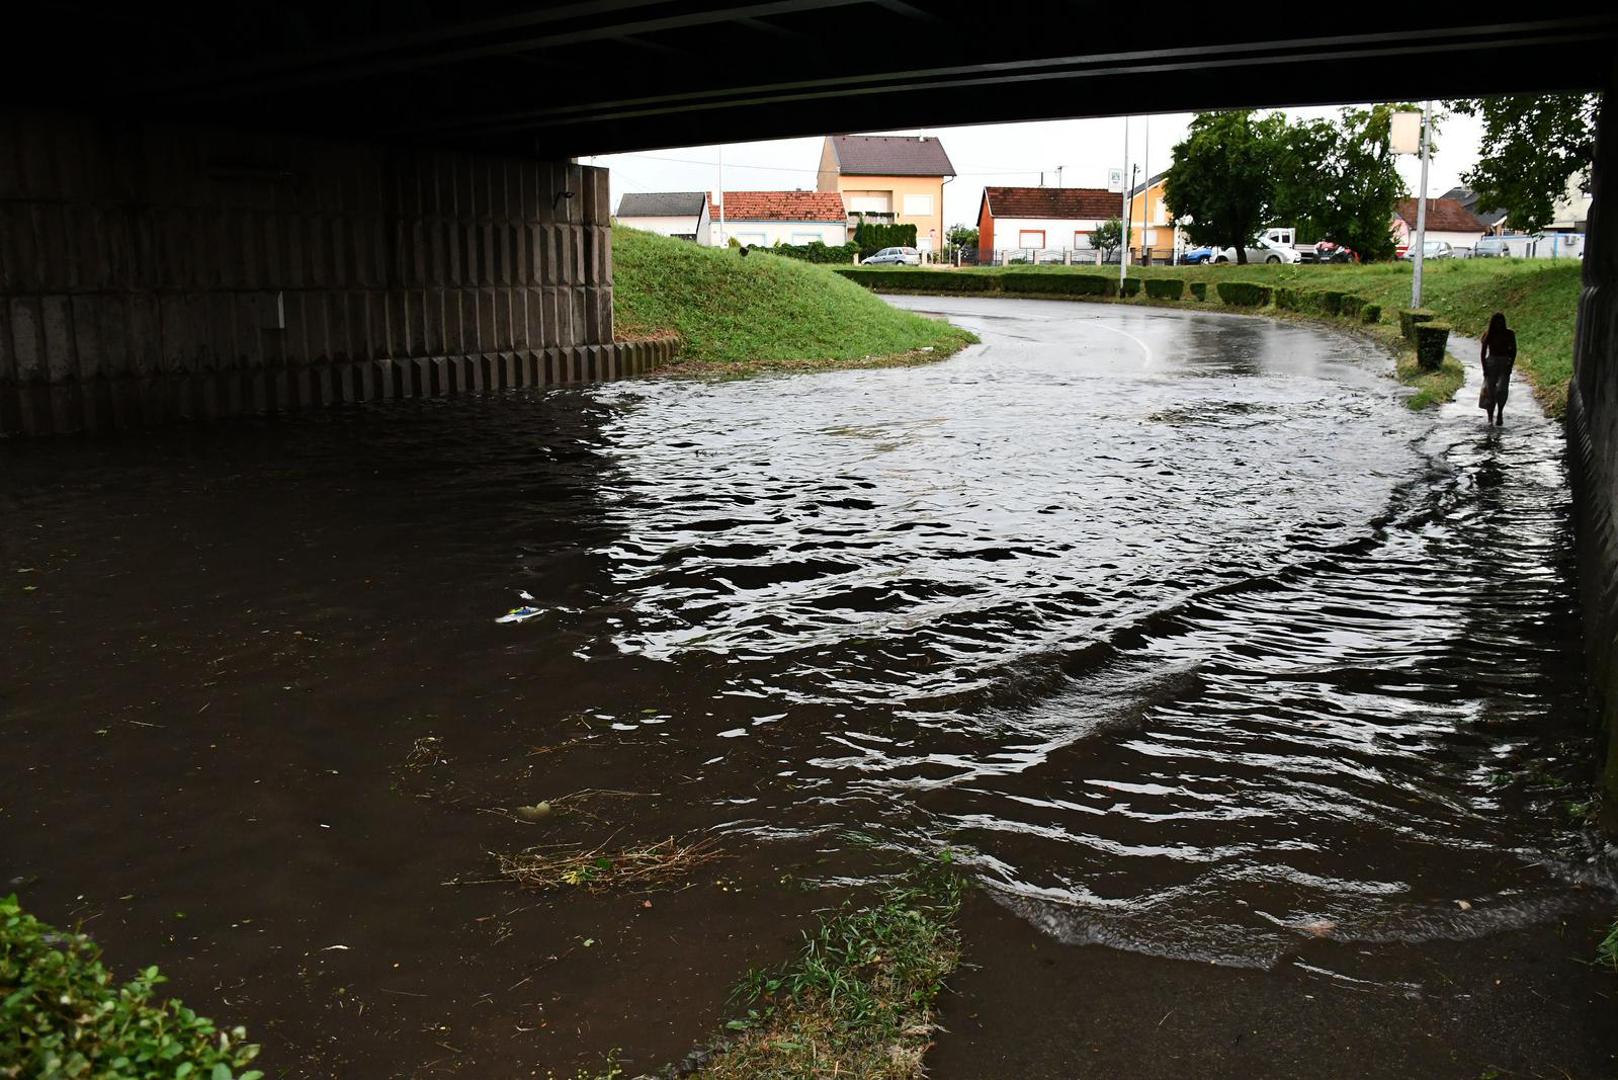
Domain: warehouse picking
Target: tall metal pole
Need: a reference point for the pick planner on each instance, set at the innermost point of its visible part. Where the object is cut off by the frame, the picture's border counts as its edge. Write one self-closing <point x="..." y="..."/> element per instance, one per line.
<point x="1146" y="192"/>
<point x="724" y="237"/>
<point x="1421" y="204"/>
<point x="1123" y="241"/>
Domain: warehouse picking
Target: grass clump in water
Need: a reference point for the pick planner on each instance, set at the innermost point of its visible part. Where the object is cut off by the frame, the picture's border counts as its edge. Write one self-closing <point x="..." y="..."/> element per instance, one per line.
<point x="1607" y="951"/>
<point x="859" y="999"/>
<point x="1432" y="387"/>
<point x="599" y="870"/>
<point x="743" y="314"/>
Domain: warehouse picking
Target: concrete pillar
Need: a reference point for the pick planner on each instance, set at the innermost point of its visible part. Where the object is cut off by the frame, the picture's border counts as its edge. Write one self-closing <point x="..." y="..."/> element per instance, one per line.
<point x="155" y="272"/>
<point x="1593" y="439"/>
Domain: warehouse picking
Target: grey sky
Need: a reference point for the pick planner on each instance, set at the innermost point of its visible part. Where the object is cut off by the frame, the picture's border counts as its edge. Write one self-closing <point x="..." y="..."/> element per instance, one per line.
<point x="1011" y="154"/>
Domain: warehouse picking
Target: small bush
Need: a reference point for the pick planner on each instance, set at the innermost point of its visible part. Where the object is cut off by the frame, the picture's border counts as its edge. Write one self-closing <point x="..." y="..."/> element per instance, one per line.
<point x="817" y="252"/>
<point x="1331" y="301"/>
<point x="1286" y="298"/>
<point x="1199" y="289"/>
<point x="1409" y="318"/>
<point x="916" y="280"/>
<point x="1371" y="313"/>
<point x="871" y="237"/>
<point x="1244" y="293"/>
<point x="1432" y="338"/>
<point x="1058" y="283"/>
<point x="1130" y="287"/>
<point x="1352" y="305"/>
<point x="1165" y="288"/>
<point x="61" y="1015"/>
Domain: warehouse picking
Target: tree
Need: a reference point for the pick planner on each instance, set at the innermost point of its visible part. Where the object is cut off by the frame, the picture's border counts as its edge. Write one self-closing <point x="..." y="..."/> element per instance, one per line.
<point x="965" y="236"/>
<point x="1223" y="177"/>
<point x="1533" y="145"/>
<point x="1339" y="181"/>
<point x="1107" y="236"/>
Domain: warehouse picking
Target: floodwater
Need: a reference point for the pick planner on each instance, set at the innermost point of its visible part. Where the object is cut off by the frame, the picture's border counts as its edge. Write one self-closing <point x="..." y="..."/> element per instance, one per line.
<point x="1190" y="641"/>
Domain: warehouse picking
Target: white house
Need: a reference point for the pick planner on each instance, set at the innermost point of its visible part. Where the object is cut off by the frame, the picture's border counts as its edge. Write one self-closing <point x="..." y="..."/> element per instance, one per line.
<point x="1447" y="220"/>
<point x="764" y="218"/>
<point x="668" y="213"/>
<point x="1042" y="218"/>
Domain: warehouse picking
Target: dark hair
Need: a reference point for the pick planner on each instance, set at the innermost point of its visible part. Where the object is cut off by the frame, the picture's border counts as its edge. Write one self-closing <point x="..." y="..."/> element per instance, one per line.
<point x="1497" y="325"/>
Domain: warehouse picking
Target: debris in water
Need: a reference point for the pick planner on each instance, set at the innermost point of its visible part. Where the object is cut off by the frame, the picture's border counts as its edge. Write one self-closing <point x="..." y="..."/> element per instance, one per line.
<point x="1464" y="905"/>
<point x="520" y="614"/>
<point x="595" y="870"/>
<point x="533" y="813"/>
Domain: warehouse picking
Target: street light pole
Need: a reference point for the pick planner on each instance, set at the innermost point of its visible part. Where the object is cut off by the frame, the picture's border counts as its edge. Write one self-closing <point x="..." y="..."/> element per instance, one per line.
<point x="1421" y="204"/>
<point x="724" y="238"/>
<point x="1123" y="240"/>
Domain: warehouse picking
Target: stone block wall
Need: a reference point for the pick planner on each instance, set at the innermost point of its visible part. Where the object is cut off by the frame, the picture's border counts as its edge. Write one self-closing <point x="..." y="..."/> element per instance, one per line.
<point x="1592" y="419"/>
<point x="153" y="272"/>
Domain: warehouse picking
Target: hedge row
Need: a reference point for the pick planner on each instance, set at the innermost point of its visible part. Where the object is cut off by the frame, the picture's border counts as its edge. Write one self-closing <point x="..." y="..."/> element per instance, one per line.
<point x="1244" y="293"/>
<point x="907" y="280"/>
<point x="817" y="252"/>
<point x="1059" y="284"/>
<point x="1199" y="289"/>
<point x="1165" y="288"/>
<point x="871" y="237"/>
<point x="1327" y="302"/>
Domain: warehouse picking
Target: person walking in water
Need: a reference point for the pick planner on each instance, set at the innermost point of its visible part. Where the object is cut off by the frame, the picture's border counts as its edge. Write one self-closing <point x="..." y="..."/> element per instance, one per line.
<point x="1499" y="357"/>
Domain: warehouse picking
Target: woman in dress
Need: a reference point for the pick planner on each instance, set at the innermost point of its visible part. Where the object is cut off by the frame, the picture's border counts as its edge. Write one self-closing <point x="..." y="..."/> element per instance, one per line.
<point x="1499" y="356"/>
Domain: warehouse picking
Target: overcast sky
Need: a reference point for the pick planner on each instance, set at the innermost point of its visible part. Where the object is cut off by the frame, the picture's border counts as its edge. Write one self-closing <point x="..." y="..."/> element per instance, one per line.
<point x="998" y="154"/>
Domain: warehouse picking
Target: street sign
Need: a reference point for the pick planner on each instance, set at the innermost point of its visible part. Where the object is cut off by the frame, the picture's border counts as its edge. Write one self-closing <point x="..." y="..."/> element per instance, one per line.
<point x="1405" y="134"/>
<point x="1115" y="181"/>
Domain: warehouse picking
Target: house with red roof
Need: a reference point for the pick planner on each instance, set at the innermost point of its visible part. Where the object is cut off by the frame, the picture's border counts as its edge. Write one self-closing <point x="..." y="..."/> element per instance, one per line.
<point x="766" y="218"/>
<point x="890" y="179"/>
<point x="1042" y="218"/>
<point x="1447" y="220"/>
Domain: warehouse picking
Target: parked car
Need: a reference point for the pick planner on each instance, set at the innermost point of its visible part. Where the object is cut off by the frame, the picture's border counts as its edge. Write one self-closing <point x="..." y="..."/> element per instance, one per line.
<point x="1328" y="251"/>
<point x="1262" y="250"/>
<point x="1432" y="249"/>
<point x="895" y="256"/>
<point x="1491" y="247"/>
<point x="1197" y="256"/>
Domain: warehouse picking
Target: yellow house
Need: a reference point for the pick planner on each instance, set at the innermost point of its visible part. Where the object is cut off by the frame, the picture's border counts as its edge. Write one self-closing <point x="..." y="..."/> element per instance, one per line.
<point x="890" y="179"/>
<point x="1151" y="227"/>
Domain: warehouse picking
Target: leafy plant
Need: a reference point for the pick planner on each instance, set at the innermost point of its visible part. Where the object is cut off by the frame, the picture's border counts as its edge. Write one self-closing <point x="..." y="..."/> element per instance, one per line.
<point x="1533" y="146"/>
<point x="1108" y="236"/>
<point x="62" y="1015"/>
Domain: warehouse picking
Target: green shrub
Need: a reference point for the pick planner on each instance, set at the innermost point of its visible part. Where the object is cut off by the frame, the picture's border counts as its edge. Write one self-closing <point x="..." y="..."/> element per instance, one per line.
<point x="1286" y="298"/>
<point x="1409" y="318"/>
<point x="922" y="281"/>
<point x="1199" y="289"/>
<point x="817" y="252"/>
<point x="1371" y="313"/>
<point x="1352" y="305"/>
<point x="871" y="238"/>
<point x="61" y="1015"/>
<point x="1058" y="283"/>
<point x="1432" y="338"/>
<point x="1165" y="288"/>
<point x="1331" y="301"/>
<point x="1130" y="287"/>
<point x="1244" y="293"/>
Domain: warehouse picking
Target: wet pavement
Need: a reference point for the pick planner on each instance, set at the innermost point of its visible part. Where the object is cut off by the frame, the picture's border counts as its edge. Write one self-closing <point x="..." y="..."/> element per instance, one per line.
<point x="1243" y="691"/>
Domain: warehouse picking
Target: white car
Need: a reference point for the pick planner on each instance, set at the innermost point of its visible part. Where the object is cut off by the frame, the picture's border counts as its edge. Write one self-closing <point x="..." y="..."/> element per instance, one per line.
<point x="1262" y="250"/>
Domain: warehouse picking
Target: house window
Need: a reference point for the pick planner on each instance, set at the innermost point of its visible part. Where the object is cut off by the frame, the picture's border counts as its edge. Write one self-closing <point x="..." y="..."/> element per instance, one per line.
<point x="748" y="239"/>
<point x="868" y="202"/>
<point x="1031" y="238"/>
<point x="807" y="238"/>
<point x="1081" y="238"/>
<point x="918" y="205"/>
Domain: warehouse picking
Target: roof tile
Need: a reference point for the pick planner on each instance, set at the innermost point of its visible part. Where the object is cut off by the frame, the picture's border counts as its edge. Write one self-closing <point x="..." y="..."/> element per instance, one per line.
<point x="781" y="206"/>
<point x="1077" y="204"/>
<point x="890" y="155"/>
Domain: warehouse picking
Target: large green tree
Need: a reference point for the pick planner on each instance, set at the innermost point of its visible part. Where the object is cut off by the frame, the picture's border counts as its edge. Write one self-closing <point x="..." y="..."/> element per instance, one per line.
<point x="1223" y="177"/>
<point x="1337" y="180"/>
<point x="1533" y="144"/>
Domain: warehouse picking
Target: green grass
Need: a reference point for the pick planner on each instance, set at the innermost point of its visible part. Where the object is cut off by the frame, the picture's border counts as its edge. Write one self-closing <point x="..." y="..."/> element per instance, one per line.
<point x="858" y="1000"/>
<point x="1432" y="387"/>
<point x="763" y="311"/>
<point x="1540" y="299"/>
<point x="63" y="1015"/>
<point x="1607" y="951"/>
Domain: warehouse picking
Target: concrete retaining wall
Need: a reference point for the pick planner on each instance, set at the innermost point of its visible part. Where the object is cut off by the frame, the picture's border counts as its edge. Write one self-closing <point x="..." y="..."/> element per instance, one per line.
<point x="1593" y="441"/>
<point x="149" y="273"/>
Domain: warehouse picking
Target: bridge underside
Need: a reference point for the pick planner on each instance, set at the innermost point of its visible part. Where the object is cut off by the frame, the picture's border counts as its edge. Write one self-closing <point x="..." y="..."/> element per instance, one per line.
<point x="564" y="79"/>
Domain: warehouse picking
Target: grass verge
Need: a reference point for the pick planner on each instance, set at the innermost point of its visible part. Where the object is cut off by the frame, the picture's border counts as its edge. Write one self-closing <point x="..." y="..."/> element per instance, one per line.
<point x="1432" y="387"/>
<point x="63" y="1015"/>
<point x="741" y="315"/>
<point x="859" y="999"/>
<point x="1539" y="297"/>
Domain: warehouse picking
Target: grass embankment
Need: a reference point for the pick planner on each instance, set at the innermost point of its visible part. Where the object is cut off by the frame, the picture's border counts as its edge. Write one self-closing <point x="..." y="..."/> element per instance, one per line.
<point x="763" y="311"/>
<point x="1540" y="299"/>
<point x="859" y="999"/>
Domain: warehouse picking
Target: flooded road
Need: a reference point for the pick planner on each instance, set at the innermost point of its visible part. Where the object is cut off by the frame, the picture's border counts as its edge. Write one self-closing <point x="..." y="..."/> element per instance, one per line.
<point x="1188" y="638"/>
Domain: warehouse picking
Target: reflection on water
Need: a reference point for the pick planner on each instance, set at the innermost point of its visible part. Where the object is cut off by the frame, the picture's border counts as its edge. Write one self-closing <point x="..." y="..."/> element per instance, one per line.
<point x="1185" y="628"/>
